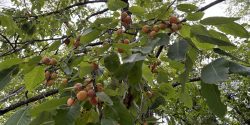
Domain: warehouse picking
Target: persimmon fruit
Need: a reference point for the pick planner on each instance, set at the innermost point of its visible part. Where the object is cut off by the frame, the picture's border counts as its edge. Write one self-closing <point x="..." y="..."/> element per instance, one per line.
<point x="91" y="93"/>
<point x="93" y="100"/>
<point x="65" y="81"/>
<point x="127" y="20"/>
<point x="173" y="20"/>
<point x="163" y="26"/>
<point x="174" y="27"/>
<point x="145" y="29"/>
<point x="50" y="82"/>
<point x="47" y="75"/>
<point x="94" y="66"/>
<point x="78" y="86"/>
<point x="124" y="15"/>
<point x="81" y="95"/>
<point x="152" y="34"/>
<point x="53" y="61"/>
<point x="119" y="31"/>
<point x="45" y="60"/>
<point x="70" y="101"/>
<point x="126" y="41"/>
<point x="53" y="75"/>
<point x="156" y="28"/>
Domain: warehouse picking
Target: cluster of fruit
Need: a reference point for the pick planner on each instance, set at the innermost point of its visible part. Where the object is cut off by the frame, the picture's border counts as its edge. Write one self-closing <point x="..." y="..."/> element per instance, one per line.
<point x="126" y="19"/>
<point x="173" y="24"/>
<point x="50" y="78"/>
<point x="86" y="92"/>
<point x="49" y="61"/>
<point x="125" y="41"/>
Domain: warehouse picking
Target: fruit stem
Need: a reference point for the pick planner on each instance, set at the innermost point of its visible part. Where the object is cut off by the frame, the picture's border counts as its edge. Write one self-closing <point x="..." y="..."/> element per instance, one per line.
<point x="68" y="89"/>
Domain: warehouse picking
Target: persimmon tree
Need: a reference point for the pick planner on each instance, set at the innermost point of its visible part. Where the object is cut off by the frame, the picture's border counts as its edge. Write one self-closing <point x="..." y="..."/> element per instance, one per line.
<point x="123" y="62"/>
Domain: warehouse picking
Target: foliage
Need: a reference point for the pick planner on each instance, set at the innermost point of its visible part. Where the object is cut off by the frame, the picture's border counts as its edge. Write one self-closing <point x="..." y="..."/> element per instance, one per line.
<point x="122" y="63"/>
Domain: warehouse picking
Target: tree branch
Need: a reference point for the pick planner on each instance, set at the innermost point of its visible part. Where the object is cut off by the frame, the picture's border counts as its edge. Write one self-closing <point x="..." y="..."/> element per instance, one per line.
<point x="184" y="20"/>
<point x="66" y="8"/>
<point x="190" y="80"/>
<point x="28" y="43"/>
<point x="7" y="40"/>
<point x="97" y="13"/>
<point x="12" y="94"/>
<point x="32" y="99"/>
<point x="206" y="7"/>
<point x="94" y="44"/>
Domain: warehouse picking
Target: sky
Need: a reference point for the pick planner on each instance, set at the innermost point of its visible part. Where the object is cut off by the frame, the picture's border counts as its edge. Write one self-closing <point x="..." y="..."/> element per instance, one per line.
<point x="216" y="10"/>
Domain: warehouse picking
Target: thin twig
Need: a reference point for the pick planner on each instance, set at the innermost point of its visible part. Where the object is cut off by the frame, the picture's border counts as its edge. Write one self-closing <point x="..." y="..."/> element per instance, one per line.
<point x="97" y="13"/>
<point x="12" y="94"/>
<point x="64" y="9"/>
<point x="7" y="40"/>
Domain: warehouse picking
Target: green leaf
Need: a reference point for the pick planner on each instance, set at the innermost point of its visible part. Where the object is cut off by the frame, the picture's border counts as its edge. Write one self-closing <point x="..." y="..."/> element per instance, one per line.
<point x="187" y="7"/>
<point x="116" y="4"/>
<point x="104" y="97"/>
<point x="239" y="69"/>
<point x="112" y="62"/>
<point x="147" y="74"/>
<point x="48" y="106"/>
<point x="45" y="118"/>
<point x="198" y="29"/>
<point x="186" y="99"/>
<point x="123" y="70"/>
<point x="163" y="39"/>
<point x="224" y="53"/>
<point x="211" y="40"/>
<point x="89" y="35"/>
<point x="87" y="118"/>
<point x="67" y="116"/>
<point x="218" y="20"/>
<point x="135" y="74"/>
<point x="162" y="76"/>
<point x="20" y="117"/>
<point x="134" y="58"/>
<point x="218" y="35"/>
<point x="104" y="20"/>
<point x="85" y="68"/>
<point x="9" y="63"/>
<point x="108" y="122"/>
<point x="31" y="64"/>
<point x="34" y="78"/>
<point x="137" y="10"/>
<point x="216" y="71"/>
<point x="211" y="36"/>
<point x="212" y="95"/>
<point x="6" y="75"/>
<point x="125" y="47"/>
<point x="123" y="114"/>
<point x="7" y="21"/>
<point x="54" y="46"/>
<point x="178" y="50"/>
<point x="157" y="102"/>
<point x="151" y="45"/>
<point x="195" y="16"/>
<point x="234" y="29"/>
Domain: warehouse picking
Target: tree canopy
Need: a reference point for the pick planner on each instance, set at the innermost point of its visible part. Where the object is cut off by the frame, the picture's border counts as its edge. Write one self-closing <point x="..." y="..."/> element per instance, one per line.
<point x="122" y="62"/>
